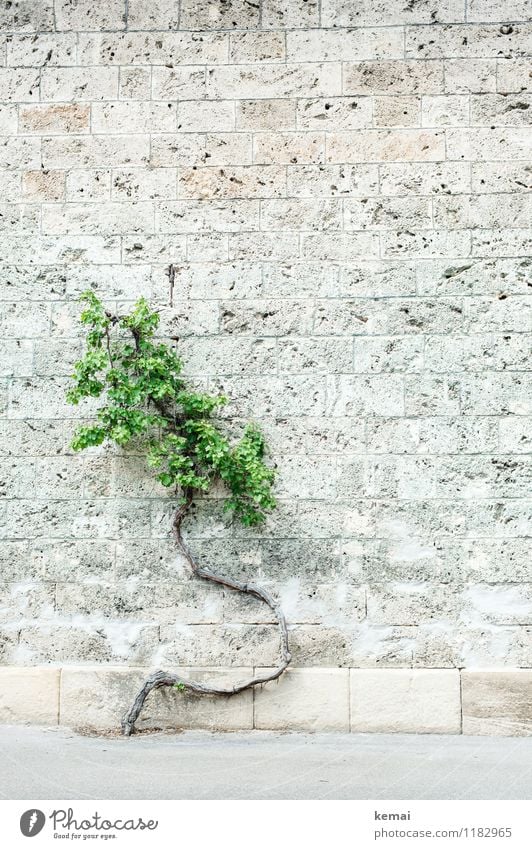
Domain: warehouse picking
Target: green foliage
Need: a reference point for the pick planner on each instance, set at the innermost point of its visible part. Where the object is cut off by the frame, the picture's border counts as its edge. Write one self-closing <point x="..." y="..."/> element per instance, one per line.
<point x="146" y="397"/>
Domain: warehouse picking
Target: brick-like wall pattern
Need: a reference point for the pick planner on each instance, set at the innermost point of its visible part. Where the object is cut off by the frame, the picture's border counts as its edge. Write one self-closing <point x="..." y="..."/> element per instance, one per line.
<point x="342" y="189"/>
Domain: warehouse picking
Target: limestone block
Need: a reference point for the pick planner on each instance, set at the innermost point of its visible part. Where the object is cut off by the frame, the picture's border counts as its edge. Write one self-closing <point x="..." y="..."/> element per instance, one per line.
<point x="200" y="116"/>
<point x="29" y="695"/>
<point x="499" y="177"/>
<point x="497" y="701"/>
<point x="153" y="14"/>
<point x="317" y="45"/>
<point x="405" y="701"/>
<point x="488" y="10"/>
<point x="468" y="42"/>
<point x="335" y="113"/>
<point x="19" y="153"/>
<point x="386" y="146"/>
<point x="470" y="75"/>
<point x="300" y="13"/>
<point x="397" y="111"/>
<point x="282" y="215"/>
<point x="257" y="47"/>
<point x="79" y="84"/>
<point x="152" y="48"/>
<point x="58" y="119"/>
<point x="343" y="13"/>
<point x="233" y="182"/>
<point x="95" y="151"/>
<point x="313" y="181"/>
<point x="400" y="178"/>
<point x="85" y="15"/>
<point x="512" y="74"/>
<point x="274" y="115"/>
<point x="8" y="119"/>
<point x="397" y="77"/>
<point x="280" y="247"/>
<point x="106" y="218"/>
<point x="304" y="700"/>
<point x="221" y="14"/>
<point x="500" y="110"/>
<point x="375" y="395"/>
<point x="445" y="111"/>
<point x="28" y="17"/>
<point x="36" y="50"/>
<point x="133" y="117"/>
<point x="19" y="86"/>
<point x="42" y="185"/>
<point x="486" y="144"/>
<point x="220" y="215"/>
<point x="135" y="83"/>
<point x="388" y="214"/>
<point x="288" y="148"/>
<point x="288" y="80"/>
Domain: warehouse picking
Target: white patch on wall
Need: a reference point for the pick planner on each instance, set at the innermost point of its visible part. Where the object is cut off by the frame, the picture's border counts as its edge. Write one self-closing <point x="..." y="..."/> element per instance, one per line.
<point x="412" y="549"/>
<point x="503" y="602"/>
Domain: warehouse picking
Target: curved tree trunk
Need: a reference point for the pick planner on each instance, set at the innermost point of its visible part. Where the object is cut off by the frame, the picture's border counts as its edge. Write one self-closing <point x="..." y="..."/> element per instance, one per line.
<point x="169" y="679"/>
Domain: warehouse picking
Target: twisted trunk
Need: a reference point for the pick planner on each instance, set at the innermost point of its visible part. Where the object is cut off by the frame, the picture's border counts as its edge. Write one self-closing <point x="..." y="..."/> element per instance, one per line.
<point x="169" y="679"/>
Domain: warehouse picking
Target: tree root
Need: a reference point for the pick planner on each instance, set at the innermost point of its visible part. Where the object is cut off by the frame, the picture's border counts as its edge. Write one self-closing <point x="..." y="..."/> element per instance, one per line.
<point x="169" y="679"/>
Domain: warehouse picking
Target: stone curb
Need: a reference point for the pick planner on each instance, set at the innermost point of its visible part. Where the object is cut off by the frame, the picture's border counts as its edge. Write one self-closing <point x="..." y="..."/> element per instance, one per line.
<point x="423" y="701"/>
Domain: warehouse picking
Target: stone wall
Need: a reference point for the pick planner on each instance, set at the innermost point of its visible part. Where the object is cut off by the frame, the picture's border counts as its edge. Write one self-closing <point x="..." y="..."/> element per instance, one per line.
<point x="342" y="189"/>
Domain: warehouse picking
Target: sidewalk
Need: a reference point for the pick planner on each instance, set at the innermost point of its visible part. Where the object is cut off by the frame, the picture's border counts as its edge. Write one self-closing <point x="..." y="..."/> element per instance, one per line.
<point x="53" y="763"/>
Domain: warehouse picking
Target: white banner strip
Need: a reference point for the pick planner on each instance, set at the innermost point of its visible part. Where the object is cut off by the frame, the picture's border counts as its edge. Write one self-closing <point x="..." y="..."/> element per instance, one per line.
<point x="261" y="824"/>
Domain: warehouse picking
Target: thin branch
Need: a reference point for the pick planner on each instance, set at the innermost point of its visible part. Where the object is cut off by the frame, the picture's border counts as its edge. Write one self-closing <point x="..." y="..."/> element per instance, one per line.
<point x="108" y="343"/>
<point x="169" y="679"/>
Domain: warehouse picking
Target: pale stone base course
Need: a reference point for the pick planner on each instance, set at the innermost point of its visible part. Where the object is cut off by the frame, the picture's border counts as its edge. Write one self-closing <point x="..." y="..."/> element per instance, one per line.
<point x="304" y="700"/>
<point x="29" y="695"/>
<point x="423" y="701"/>
<point x="497" y="701"/>
<point x="444" y="701"/>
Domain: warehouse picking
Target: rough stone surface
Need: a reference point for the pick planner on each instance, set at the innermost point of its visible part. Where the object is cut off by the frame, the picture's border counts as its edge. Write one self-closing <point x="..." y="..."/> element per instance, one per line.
<point x="343" y="189"/>
<point x="404" y="700"/>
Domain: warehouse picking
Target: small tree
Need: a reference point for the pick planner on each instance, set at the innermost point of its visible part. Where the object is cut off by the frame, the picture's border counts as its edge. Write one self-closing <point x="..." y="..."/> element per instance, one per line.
<point x="147" y="399"/>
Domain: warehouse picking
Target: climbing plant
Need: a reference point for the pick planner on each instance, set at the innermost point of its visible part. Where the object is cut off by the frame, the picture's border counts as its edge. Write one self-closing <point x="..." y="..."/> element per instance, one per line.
<point x="147" y="399"/>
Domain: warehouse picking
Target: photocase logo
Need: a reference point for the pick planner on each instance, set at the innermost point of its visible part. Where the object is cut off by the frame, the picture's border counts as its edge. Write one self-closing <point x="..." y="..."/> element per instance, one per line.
<point x="32" y="822"/>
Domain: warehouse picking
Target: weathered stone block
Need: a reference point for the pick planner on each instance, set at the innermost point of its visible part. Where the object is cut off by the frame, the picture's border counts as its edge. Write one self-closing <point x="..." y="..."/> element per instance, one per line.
<point x="51" y="120"/>
<point x="313" y="45"/>
<point x="291" y="80"/>
<point x="397" y="111"/>
<point x="386" y="146"/>
<point x="397" y="77"/>
<point x="497" y="701"/>
<point x="257" y="47"/>
<point x="84" y="15"/>
<point x="79" y="84"/>
<point x="133" y="117"/>
<point x="274" y="115"/>
<point x="336" y="113"/>
<point x="342" y="13"/>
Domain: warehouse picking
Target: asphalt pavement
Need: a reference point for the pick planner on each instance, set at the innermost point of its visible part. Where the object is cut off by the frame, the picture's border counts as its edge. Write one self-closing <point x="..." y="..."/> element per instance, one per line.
<point x="56" y="764"/>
